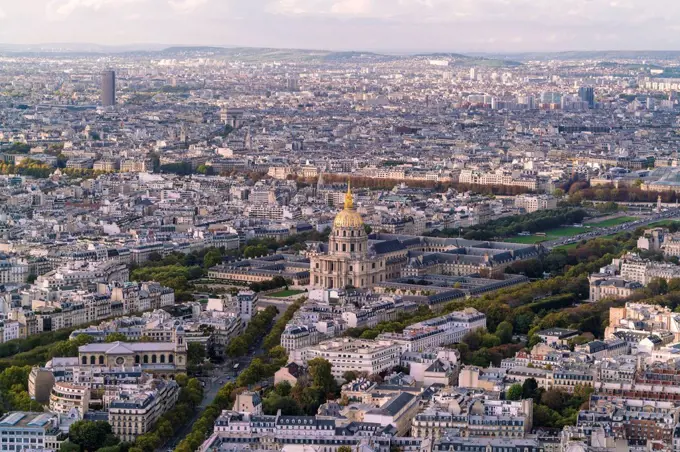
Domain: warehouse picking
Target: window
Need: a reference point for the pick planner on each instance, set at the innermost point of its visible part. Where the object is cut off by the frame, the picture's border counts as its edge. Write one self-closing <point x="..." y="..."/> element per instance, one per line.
<point x="101" y="359"/>
<point x="171" y="358"/>
<point x="136" y="359"/>
<point x="154" y="359"/>
<point x="344" y="247"/>
<point x="162" y="358"/>
<point x="84" y="360"/>
<point x="146" y="359"/>
<point x="351" y="247"/>
<point x="91" y="359"/>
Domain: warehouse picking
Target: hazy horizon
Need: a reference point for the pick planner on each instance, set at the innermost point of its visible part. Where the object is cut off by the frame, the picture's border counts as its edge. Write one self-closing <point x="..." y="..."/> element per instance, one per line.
<point x="406" y="26"/>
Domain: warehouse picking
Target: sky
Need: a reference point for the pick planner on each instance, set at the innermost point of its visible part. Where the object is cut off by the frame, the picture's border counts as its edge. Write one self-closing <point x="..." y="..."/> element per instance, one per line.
<point x="369" y="25"/>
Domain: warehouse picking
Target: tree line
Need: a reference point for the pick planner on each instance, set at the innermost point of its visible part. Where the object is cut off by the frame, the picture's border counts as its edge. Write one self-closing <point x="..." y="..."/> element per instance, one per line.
<point x="256" y="329"/>
<point x="262" y="367"/>
<point x="578" y="191"/>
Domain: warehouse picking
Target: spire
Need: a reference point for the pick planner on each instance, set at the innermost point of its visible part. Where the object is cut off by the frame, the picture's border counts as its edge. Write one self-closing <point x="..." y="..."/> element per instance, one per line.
<point x="349" y="200"/>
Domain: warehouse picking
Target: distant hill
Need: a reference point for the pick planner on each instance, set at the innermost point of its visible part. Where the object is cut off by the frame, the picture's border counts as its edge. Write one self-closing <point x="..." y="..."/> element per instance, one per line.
<point x="248" y="54"/>
<point x="603" y="55"/>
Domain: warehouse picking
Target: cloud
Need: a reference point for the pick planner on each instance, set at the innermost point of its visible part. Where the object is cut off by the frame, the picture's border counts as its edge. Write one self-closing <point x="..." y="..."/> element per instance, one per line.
<point x="378" y="25"/>
<point x="351" y="7"/>
<point x="186" y="6"/>
<point x="450" y="11"/>
<point x="3" y="14"/>
<point x="60" y="9"/>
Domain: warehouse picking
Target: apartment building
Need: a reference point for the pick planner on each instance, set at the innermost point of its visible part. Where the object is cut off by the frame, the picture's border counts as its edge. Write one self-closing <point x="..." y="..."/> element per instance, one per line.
<point x="132" y="414"/>
<point x="475" y="417"/>
<point x="614" y="287"/>
<point x="358" y="355"/>
<point x="22" y="430"/>
<point x="534" y="203"/>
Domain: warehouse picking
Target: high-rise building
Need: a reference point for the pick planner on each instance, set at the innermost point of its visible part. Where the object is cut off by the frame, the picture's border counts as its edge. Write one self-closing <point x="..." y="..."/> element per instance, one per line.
<point x="108" y="88"/>
<point x="587" y="94"/>
<point x="293" y="83"/>
<point x="473" y="73"/>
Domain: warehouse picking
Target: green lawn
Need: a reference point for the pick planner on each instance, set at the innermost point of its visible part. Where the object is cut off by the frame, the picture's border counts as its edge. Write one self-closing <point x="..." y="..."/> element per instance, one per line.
<point x="553" y="234"/>
<point x="285" y="293"/>
<point x="662" y="223"/>
<point x="612" y="222"/>
<point x="567" y="247"/>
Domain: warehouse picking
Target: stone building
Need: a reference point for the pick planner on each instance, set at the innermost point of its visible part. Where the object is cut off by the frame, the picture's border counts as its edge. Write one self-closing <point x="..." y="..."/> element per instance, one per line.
<point x="349" y="262"/>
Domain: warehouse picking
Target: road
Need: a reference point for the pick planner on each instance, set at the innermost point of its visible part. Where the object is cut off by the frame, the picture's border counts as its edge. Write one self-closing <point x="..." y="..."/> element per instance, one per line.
<point x="213" y="385"/>
<point x="600" y="232"/>
<point x="210" y="391"/>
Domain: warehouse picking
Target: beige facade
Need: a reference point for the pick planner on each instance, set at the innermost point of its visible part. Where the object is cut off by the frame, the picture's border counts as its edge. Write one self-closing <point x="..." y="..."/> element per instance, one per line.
<point x="533" y="203"/>
<point x="135" y="415"/>
<point x="348" y="262"/>
<point x="159" y="358"/>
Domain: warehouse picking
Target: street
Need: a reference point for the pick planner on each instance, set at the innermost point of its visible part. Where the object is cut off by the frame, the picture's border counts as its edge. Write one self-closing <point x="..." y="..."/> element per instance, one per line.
<point x="213" y="385"/>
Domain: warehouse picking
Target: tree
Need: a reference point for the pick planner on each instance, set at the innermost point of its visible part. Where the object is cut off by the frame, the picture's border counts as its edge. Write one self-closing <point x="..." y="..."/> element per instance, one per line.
<point x="515" y="392"/>
<point x="283" y="389"/>
<point x="504" y="332"/>
<point x="288" y="406"/>
<point x="553" y="399"/>
<point x="278" y="353"/>
<point x="69" y="446"/>
<point x="13" y="376"/>
<point x="322" y="378"/>
<point x="237" y="347"/>
<point x="108" y="449"/>
<point x="349" y="376"/>
<point x="182" y="380"/>
<point x="148" y="442"/>
<point x="530" y="389"/>
<point x="195" y="353"/>
<point x="155" y="257"/>
<point x="544" y="416"/>
<point x="212" y="258"/>
<point x="490" y="340"/>
<point x="344" y="449"/>
<point x="90" y="435"/>
<point x="116" y="337"/>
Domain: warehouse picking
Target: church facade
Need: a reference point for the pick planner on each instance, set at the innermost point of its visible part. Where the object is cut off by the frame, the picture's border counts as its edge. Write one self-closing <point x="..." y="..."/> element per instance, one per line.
<point x="349" y="262"/>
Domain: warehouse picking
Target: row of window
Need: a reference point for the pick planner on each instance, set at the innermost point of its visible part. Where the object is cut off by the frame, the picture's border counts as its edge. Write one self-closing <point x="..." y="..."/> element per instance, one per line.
<point x="138" y="360"/>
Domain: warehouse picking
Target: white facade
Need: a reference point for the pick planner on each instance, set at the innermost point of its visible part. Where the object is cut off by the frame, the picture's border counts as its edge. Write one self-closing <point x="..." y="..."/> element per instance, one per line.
<point x="357" y="355"/>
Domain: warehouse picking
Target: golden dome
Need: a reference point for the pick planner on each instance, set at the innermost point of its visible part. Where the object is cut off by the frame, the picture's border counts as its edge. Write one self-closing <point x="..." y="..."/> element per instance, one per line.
<point x="348" y="217"/>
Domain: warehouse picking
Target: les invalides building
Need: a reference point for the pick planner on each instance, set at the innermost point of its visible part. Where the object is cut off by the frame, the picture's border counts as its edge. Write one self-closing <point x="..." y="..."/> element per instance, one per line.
<point x="349" y="261"/>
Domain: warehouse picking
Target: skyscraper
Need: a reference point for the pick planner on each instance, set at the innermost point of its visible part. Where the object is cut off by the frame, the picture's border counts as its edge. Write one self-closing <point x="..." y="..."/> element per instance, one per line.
<point x="108" y="88"/>
<point x="587" y="94"/>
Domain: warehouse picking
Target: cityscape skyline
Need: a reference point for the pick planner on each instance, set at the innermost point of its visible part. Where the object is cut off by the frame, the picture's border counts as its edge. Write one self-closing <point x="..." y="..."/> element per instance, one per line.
<point x="363" y="25"/>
